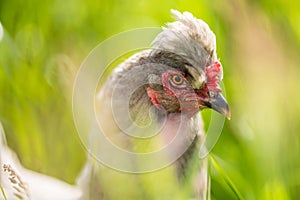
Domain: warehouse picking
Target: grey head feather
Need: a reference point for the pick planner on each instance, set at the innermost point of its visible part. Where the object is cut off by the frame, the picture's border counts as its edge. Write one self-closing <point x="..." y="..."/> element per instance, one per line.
<point x="188" y="37"/>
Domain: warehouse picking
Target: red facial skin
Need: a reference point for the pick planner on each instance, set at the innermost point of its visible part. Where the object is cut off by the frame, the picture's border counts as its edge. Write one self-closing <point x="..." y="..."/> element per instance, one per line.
<point x="154" y="96"/>
<point x="184" y="96"/>
<point x="212" y="74"/>
<point x="211" y="87"/>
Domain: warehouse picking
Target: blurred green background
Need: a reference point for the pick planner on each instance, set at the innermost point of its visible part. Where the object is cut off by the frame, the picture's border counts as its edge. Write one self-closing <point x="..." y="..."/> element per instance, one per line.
<point x="42" y="44"/>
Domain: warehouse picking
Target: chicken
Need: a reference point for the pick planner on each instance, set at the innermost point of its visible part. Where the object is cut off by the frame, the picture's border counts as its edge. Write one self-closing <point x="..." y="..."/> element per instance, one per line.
<point x="147" y="146"/>
<point x="18" y="182"/>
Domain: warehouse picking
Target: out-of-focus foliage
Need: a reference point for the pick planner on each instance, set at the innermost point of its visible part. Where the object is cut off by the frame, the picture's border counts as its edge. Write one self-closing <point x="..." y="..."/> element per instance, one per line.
<point x="44" y="42"/>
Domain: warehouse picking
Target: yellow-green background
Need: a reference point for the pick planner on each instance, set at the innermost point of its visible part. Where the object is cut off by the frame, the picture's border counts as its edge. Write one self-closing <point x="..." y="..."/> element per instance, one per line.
<point x="258" y="42"/>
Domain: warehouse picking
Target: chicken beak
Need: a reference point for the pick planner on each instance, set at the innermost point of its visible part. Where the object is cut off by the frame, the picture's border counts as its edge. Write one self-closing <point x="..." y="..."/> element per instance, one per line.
<point x="220" y="105"/>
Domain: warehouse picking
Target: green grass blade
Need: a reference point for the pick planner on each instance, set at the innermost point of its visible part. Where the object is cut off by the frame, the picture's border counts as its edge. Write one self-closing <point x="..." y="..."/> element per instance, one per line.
<point x="3" y="193"/>
<point x="226" y="178"/>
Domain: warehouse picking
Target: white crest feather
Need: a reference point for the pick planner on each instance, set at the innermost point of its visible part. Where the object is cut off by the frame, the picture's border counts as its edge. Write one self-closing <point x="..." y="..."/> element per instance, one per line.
<point x="188" y="36"/>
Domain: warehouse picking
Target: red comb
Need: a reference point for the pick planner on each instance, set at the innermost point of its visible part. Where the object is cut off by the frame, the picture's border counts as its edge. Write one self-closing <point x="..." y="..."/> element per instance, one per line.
<point x="213" y="76"/>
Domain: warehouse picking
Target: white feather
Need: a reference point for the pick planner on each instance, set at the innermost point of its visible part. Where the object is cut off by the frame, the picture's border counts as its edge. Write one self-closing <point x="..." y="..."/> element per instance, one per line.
<point x="39" y="186"/>
<point x="186" y="37"/>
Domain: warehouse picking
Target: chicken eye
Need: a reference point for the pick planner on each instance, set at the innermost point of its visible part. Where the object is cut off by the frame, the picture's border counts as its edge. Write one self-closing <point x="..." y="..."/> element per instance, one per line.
<point x="178" y="80"/>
